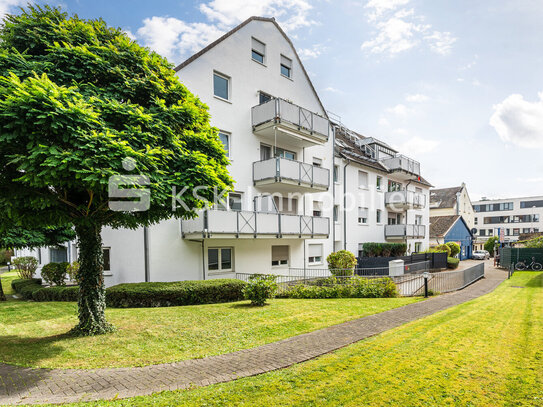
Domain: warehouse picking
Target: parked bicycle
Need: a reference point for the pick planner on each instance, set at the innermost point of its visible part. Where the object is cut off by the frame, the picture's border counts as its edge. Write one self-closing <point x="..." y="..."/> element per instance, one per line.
<point x="524" y="265"/>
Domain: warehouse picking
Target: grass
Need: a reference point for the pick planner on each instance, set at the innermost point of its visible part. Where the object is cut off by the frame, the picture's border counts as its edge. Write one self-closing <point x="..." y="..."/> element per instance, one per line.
<point x="487" y="352"/>
<point x="6" y="279"/>
<point x="33" y="334"/>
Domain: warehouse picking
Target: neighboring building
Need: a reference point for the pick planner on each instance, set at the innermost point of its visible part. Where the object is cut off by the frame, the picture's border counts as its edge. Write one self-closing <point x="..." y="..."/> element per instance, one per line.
<point x="451" y="228"/>
<point x="452" y="201"/>
<point x="287" y="210"/>
<point x="515" y="216"/>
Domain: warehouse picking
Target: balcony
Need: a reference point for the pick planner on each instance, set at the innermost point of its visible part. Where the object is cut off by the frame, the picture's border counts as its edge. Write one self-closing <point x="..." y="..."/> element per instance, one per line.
<point x="403" y="165"/>
<point x="253" y="225"/>
<point x="402" y="200"/>
<point x="403" y="232"/>
<point x="283" y="175"/>
<point x="286" y="123"/>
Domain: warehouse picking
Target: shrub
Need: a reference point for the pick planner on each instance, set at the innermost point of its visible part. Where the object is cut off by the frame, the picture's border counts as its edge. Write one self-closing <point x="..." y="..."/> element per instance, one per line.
<point x="26" y="287"/>
<point x="133" y="295"/>
<point x="355" y="287"/>
<point x="58" y="293"/>
<point x="55" y="273"/>
<point x="452" y="262"/>
<point x="5" y="256"/>
<point x="384" y="249"/>
<point x="73" y="271"/>
<point x="260" y="288"/>
<point x="490" y="244"/>
<point x="440" y="249"/>
<point x="341" y="263"/>
<point x="455" y="248"/>
<point x="26" y="266"/>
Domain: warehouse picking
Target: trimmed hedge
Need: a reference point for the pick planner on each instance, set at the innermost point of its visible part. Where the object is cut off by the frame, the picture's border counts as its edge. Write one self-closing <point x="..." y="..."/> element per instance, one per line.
<point x="31" y="289"/>
<point x="371" y="249"/>
<point x="452" y="262"/>
<point x="355" y="287"/>
<point x="133" y="295"/>
<point x="25" y="287"/>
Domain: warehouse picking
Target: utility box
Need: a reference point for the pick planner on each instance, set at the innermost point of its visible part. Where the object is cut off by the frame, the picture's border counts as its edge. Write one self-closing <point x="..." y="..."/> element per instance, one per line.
<point x="396" y="268"/>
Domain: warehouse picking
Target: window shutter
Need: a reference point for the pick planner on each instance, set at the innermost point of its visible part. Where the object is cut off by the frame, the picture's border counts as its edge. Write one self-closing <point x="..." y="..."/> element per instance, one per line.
<point x="279" y="253"/>
<point x="259" y="46"/>
<point x="314" y="250"/>
<point x="286" y="61"/>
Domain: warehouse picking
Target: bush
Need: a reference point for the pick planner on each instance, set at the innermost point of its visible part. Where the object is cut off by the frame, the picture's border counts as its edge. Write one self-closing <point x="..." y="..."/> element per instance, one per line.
<point x="55" y="273"/>
<point x="490" y="244"/>
<point x="455" y="248"/>
<point x="5" y="256"/>
<point x="26" y="266"/>
<point x="355" y="287"/>
<point x="58" y="293"/>
<point x="452" y="262"/>
<point x="260" y="288"/>
<point x="341" y="263"/>
<point x="73" y="271"/>
<point x="442" y="248"/>
<point x="133" y="295"/>
<point x="26" y="287"/>
<point x="384" y="249"/>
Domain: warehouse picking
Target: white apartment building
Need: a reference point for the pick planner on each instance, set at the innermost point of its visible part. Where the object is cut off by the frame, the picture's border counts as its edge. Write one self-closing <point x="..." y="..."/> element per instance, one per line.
<point x="515" y="216"/>
<point x="287" y="211"/>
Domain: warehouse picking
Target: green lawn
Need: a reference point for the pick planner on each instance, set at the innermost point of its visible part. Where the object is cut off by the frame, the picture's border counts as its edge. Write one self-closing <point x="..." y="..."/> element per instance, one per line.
<point x="488" y="352"/>
<point x="6" y="279"/>
<point x="32" y="333"/>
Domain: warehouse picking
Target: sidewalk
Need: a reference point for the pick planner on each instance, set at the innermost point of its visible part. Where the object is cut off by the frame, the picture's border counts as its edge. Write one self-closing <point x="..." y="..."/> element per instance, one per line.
<point x="27" y="385"/>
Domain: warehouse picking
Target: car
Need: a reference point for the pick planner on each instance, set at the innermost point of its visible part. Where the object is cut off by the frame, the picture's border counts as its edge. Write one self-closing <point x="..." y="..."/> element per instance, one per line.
<point x="480" y="255"/>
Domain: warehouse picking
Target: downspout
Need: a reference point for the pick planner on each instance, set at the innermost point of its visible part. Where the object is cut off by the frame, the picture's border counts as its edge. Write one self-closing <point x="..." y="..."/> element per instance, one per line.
<point x="203" y="261"/>
<point x="303" y="201"/>
<point x="146" y="253"/>
<point x="345" y="204"/>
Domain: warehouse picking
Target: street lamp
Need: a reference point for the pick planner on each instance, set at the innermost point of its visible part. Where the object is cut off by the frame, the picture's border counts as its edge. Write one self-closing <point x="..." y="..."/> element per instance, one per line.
<point x="426" y="275"/>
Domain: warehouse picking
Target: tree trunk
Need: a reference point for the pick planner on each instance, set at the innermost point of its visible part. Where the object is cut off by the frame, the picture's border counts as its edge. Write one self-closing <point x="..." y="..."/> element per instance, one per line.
<point x="92" y="293"/>
<point x="2" y="295"/>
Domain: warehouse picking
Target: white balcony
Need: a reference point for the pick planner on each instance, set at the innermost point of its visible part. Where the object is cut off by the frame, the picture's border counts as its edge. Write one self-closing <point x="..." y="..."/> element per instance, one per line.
<point x="402" y="200"/>
<point x="289" y="124"/>
<point x="403" y="165"/>
<point x="254" y="225"/>
<point x="403" y="232"/>
<point x="283" y="175"/>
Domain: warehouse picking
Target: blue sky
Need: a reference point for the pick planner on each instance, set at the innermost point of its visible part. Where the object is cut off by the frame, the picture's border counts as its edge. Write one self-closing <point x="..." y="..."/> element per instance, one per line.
<point x="457" y="85"/>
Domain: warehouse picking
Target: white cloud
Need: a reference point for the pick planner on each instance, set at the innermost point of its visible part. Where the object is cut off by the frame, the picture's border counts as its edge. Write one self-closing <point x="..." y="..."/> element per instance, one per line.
<point x="418" y="145"/>
<point x="130" y="35"/>
<point x="519" y="121"/>
<point x="417" y="98"/>
<point x="400" y="110"/>
<point x="383" y="121"/>
<point x="311" y="53"/>
<point x="399" y="29"/>
<point x="332" y="90"/>
<point x="10" y="6"/>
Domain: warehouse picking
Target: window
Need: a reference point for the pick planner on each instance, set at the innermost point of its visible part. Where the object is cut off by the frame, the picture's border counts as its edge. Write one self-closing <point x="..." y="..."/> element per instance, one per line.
<point x="394" y="186"/>
<point x="490" y="232"/>
<point x="317" y="162"/>
<point x="362" y="179"/>
<point x="504" y="206"/>
<point x="58" y="254"/>
<point x="317" y="209"/>
<point x="482" y="232"/>
<point x="394" y="218"/>
<point x="336" y="173"/>
<point x="531" y="204"/>
<point x="106" y="252"/>
<point x="336" y="213"/>
<point x="418" y="191"/>
<point x="315" y="253"/>
<point x="219" y="259"/>
<point x="221" y="85"/>
<point x="516" y="232"/>
<point x="526" y="230"/>
<point x="288" y="206"/>
<point x="378" y="183"/>
<point x="225" y="140"/>
<point x="263" y="98"/>
<point x="290" y="155"/>
<point x="258" y="51"/>
<point x="280" y="255"/>
<point x="418" y="219"/>
<point x="378" y="216"/>
<point x="234" y="201"/>
<point x="286" y="66"/>
<point x="39" y="255"/>
<point x="363" y="216"/>
<point x="476" y="220"/>
<point x="418" y="246"/>
<point x="360" y="249"/>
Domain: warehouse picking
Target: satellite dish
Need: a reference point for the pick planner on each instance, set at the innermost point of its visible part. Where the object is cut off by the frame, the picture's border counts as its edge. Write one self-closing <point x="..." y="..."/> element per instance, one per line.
<point x="474" y="231"/>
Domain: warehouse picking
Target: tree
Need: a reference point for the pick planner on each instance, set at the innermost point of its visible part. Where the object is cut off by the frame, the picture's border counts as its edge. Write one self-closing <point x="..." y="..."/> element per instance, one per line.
<point x="81" y="108"/>
<point x="490" y="244"/>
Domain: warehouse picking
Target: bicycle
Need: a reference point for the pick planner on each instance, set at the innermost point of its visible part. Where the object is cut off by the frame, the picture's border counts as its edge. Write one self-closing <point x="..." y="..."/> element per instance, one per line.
<point x="523" y="265"/>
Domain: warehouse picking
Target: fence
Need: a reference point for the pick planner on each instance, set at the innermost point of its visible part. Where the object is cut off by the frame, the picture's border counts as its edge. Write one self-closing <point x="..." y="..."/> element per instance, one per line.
<point x="437" y="260"/>
<point x="410" y="284"/>
<point x="511" y="255"/>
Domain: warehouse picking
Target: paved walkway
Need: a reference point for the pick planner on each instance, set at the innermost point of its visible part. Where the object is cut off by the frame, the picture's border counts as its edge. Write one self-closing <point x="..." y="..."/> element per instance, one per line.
<point x="26" y="385"/>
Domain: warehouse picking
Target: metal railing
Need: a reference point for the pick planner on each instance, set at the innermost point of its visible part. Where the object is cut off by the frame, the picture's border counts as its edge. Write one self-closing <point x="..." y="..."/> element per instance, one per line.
<point x="284" y="169"/>
<point x="405" y="231"/>
<point x="408" y="198"/>
<point x="402" y="163"/>
<point x="217" y="222"/>
<point x="279" y="110"/>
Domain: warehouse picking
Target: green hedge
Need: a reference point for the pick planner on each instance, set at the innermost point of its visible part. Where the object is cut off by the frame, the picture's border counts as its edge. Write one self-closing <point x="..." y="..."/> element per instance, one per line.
<point x="133" y="295"/>
<point x="31" y="289"/>
<point x="355" y="287"/>
<point x="25" y="287"/>
<point x="371" y="249"/>
<point x="452" y="262"/>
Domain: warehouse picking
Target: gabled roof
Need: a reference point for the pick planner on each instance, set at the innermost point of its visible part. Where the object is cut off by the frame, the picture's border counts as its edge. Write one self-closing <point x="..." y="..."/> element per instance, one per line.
<point x="440" y="225"/>
<point x="237" y="28"/>
<point x="444" y="197"/>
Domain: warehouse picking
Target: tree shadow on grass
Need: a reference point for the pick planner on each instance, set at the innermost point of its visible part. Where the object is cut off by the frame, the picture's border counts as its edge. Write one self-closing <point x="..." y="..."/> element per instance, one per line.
<point x="536" y="281"/>
<point x="248" y="305"/>
<point x="30" y="350"/>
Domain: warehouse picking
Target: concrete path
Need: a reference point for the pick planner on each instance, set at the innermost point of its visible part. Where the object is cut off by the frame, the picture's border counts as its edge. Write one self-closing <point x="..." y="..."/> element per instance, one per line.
<point x="35" y="386"/>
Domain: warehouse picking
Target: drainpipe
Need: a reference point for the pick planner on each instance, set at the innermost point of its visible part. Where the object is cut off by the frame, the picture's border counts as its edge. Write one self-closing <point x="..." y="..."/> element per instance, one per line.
<point x="146" y="253"/>
<point x="203" y="261"/>
<point x="345" y="204"/>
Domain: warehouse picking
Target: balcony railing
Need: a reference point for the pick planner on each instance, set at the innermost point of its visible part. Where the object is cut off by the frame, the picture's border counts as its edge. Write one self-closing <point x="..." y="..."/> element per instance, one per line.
<point x="405" y="199"/>
<point x="405" y="231"/>
<point x="282" y="170"/>
<point x="402" y="163"/>
<point x="250" y="224"/>
<point x="279" y="111"/>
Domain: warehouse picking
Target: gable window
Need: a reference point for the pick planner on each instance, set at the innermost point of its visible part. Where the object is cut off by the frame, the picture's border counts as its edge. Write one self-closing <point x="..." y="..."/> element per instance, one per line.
<point x="286" y="66"/>
<point x="221" y="86"/>
<point x="219" y="259"/>
<point x="258" y="51"/>
<point x="362" y="179"/>
<point x="263" y="98"/>
<point x="106" y="253"/>
<point x="378" y="183"/>
<point x="280" y="255"/>
<point x="363" y="216"/>
<point x="315" y="253"/>
<point x="225" y="140"/>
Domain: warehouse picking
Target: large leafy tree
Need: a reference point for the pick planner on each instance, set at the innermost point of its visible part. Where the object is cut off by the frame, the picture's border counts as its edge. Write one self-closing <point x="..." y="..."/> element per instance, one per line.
<point x="77" y="98"/>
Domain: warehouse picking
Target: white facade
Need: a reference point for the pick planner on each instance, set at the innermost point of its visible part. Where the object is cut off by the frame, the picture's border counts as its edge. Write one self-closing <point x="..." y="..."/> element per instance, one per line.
<point x="515" y="216"/>
<point x="283" y="148"/>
